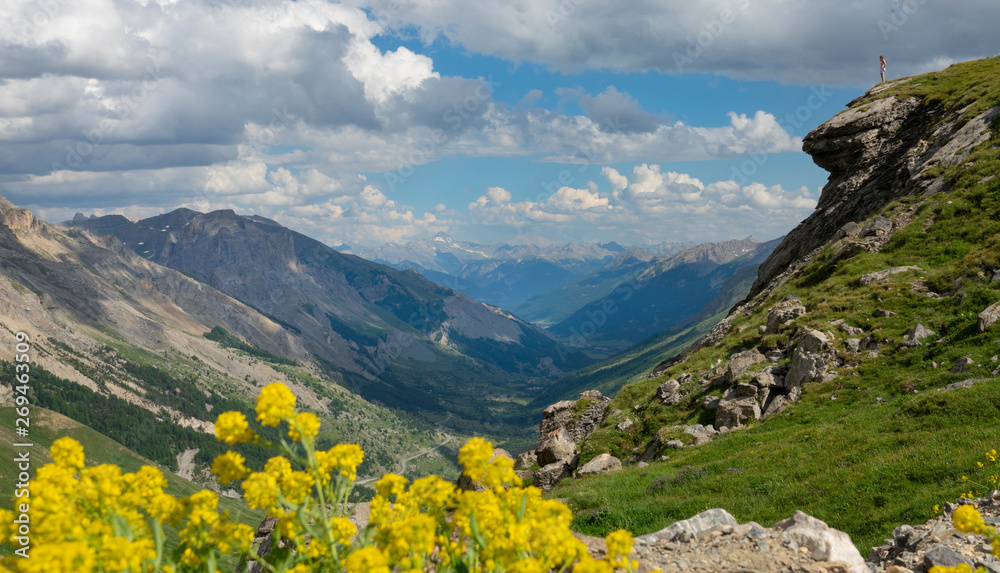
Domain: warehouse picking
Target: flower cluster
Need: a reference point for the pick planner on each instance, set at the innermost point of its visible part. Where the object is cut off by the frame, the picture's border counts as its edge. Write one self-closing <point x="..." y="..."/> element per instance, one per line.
<point x="100" y="519"/>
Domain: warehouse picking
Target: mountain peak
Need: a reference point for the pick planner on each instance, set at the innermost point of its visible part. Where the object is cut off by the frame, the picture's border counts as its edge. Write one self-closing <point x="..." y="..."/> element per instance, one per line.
<point x="443" y="237"/>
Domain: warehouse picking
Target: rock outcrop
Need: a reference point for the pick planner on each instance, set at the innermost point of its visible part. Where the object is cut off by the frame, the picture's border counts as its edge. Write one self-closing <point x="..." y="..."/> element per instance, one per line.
<point x="578" y="417"/>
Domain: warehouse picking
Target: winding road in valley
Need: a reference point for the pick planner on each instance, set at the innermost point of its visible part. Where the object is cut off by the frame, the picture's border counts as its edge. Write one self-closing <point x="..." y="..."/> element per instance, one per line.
<point x="404" y="461"/>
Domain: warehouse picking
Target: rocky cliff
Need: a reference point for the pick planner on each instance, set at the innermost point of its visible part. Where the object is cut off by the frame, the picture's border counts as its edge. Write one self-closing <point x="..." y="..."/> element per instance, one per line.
<point x="880" y="149"/>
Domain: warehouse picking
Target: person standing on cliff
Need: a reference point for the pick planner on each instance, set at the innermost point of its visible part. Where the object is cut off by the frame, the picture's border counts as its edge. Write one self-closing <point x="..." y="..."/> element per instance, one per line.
<point x="881" y="60"/>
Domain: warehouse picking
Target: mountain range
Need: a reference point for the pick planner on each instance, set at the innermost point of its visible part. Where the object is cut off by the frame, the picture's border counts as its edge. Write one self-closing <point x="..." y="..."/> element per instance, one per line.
<point x="499" y="274"/>
<point x="393" y="335"/>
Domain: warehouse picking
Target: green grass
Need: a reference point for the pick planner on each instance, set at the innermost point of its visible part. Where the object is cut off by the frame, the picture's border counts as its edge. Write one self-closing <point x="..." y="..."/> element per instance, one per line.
<point x="877" y="446"/>
<point x="975" y="84"/>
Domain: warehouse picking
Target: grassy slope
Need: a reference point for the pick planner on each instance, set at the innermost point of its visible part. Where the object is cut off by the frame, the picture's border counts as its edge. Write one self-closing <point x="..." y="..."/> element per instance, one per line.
<point x="879" y="445"/>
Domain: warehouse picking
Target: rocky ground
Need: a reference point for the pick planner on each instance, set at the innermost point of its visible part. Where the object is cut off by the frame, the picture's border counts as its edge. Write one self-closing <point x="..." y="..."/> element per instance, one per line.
<point x="713" y="541"/>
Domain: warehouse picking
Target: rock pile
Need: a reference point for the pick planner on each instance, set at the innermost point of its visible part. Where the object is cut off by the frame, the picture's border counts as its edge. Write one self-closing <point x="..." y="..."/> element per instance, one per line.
<point x="714" y="541"/>
<point x="937" y="542"/>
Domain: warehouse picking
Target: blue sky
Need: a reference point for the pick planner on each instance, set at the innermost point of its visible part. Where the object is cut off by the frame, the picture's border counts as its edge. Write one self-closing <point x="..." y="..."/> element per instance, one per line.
<point x="391" y="120"/>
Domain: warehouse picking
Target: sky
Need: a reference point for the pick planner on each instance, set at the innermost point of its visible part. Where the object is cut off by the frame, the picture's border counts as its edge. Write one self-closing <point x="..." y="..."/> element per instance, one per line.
<point x="377" y="121"/>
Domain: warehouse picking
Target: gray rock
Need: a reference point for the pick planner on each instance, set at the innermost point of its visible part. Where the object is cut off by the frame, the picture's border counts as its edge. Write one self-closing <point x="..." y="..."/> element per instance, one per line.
<point x="848" y="250"/>
<point x="691" y="527"/>
<point x="962" y="365"/>
<point x="901" y="535"/>
<point x="666" y="389"/>
<point x="601" y="464"/>
<point x="770" y="376"/>
<point x="805" y="367"/>
<point x="918" y="332"/>
<point x="783" y="313"/>
<point x="851" y="330"/>
<point x="852" y="345"/>
<point x="877" y="226"/>
<point x="869" y="344"/>
<point x="579" y="425"/>
<point x="813" y="341"/>
<point x="775" y="356"/>
<point x="776" y="405"/>
<point x="882" y="276"/>
<point x="556" y="447"/>
<point x="740" y="391"/>
<point x="711" y="402"/>
<point x="988" y="317"/>
<point x="624" y="424"/>
<point x="686" y="377"/>
<point x="641" y="464"/>
<point x="741" y="362"/>
<point x="823" y="542"/>
<point x="996" y="372"/>
<point x="944" y="556"/>
<point x="673" y="399"/>
<point x="884" y="313"/>
<point x="674" y="444"/>
<point x="848" y="231"/>
<point x="550" y="474"/>
<point x="910" y="344"/>
<point x="795" y="394"/>
<point x="963" y="384"/>
<point x="735" y="413"/>
<point x="525" y="460"/>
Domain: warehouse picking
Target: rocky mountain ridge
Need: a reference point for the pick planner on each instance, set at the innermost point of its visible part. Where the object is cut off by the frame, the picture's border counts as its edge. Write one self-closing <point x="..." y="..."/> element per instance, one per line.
<point x="392" y="335"/>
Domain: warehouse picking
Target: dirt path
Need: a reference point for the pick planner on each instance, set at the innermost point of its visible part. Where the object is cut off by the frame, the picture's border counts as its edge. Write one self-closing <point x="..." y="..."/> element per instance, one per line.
<point x="404" y="461"/>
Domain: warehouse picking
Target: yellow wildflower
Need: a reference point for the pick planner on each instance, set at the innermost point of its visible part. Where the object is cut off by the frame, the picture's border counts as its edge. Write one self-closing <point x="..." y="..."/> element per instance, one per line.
<point x="232" y="428"/>
<point x="968" y="520"/>
<point x="304" y="424"/>
<point x="619" y="548"/>
<point x="67" y="453"/>
<point x="366" y="560"/>
<point x="275" y="403"/>
<point x="229" y="467"/>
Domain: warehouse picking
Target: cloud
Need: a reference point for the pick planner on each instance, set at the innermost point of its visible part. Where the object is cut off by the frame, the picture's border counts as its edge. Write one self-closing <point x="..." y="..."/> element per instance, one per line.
<point x="819" y="43"/>
<point x="613" y="110"/>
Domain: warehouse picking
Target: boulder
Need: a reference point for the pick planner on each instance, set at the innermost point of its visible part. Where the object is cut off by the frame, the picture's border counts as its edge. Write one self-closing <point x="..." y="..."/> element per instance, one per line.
<point x="851" y="330"/>
<point x="884" y="313"/>
<point x="525" y="460"/>
<point x="824" y="542"/>
<point x="741" y="362"/>
<point x="667" y="393"/>
<point x="556" y="447"/>
<point x="567" y="414"/>
<point x="740" y="391"/>
<point x="783" y="313"/>
<point x="692" y="527"/>
<point x="550" y="474"/>
<point x="777" y="404"/>
<point x="988" y="317"/>
<point x="711" y="402"/>
<point x="962" y="365"/>
<point x="848" y="231"/>
<point x="882" y="276"/>
<point x="877" y="227"/>
<point x="624" y="424"/>
<point x="737" y="412"/>
<point x="813" y="341"/>
<point x="918" y="332"/>
<point x="852" y="345"/>
<point x="674" y="444"/>
<point x="601" y="464"/>
<point x="944" y="556"/>
<point x="805" y="367"/>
